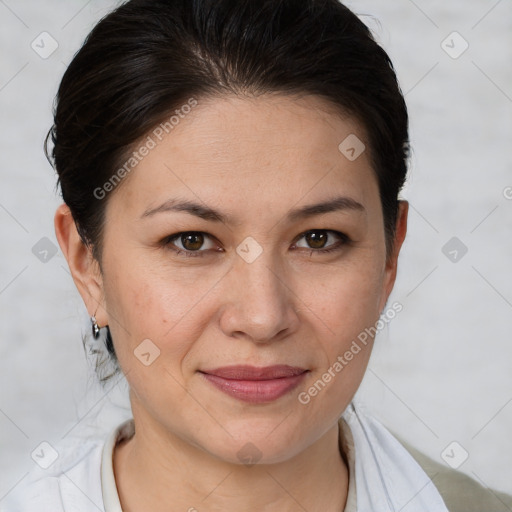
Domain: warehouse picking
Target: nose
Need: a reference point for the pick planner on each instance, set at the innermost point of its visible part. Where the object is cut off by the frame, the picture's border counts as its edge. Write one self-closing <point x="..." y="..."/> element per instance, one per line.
<point x="259" y="302"/>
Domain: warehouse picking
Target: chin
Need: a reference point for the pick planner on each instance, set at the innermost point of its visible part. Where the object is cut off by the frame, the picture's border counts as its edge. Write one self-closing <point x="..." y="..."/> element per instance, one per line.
<point x="257" y="441"/>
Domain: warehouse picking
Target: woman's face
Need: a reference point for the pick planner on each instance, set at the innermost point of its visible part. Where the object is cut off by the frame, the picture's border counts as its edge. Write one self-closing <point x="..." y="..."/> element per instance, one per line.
<point x="253" y="289"/>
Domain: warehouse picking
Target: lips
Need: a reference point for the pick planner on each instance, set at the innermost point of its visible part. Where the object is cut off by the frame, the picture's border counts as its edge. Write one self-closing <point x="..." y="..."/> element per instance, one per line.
<point x="254" y="373"/>
<point x="253" y="384"/>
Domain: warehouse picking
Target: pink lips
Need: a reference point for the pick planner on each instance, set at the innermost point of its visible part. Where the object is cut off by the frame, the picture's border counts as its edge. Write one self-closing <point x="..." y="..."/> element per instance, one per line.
<point x="255" y="385"/>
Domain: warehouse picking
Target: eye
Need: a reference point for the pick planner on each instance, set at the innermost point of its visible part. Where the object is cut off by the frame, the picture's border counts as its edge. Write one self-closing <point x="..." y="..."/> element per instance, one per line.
<point x="317" y="240"/>
<point x="191" y="242"/>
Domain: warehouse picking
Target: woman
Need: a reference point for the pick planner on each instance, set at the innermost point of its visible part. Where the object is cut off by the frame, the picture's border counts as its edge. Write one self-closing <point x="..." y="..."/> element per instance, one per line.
<point x="231" y="173"/>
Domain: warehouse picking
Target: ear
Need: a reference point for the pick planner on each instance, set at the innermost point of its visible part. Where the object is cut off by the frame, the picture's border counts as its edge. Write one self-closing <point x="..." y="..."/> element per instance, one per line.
<point x="392" y="260"/>
<point x="84" y="268"/>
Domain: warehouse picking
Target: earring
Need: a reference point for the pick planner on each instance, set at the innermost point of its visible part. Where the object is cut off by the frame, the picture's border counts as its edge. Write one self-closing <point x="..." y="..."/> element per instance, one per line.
<point x="95" y="328"/>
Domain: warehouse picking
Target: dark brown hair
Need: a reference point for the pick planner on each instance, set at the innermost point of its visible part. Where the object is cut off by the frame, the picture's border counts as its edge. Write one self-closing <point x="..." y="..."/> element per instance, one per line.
<point x="148" y="57"/>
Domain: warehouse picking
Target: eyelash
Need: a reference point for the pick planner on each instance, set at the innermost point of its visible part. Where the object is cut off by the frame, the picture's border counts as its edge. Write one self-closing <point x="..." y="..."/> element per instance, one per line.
<point x="167" y="242"/>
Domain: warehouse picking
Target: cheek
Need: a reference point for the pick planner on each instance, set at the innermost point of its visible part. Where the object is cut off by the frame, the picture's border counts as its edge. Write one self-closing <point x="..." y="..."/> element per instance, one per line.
<point x="346" y="297"/>
<point x="153" y="331"/>
<point x="150" y="305"/>
<point x="344" y="310"/>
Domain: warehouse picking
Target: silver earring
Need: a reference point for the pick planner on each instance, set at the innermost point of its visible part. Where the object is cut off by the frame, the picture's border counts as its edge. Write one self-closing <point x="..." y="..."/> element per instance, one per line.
<point x="95" y="328"/>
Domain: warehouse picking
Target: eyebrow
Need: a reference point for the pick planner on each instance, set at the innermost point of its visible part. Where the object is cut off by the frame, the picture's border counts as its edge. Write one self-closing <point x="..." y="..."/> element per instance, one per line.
<point x="340" y="203"/>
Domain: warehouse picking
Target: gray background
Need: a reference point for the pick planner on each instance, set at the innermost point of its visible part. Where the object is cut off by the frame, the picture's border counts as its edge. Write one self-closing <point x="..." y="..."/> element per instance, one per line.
<point x="441" y="371"/>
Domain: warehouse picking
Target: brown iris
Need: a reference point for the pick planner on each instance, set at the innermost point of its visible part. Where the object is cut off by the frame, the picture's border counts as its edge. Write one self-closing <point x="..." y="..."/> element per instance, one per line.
<point x="316" y="239"/>
<point x="192" y="241"/>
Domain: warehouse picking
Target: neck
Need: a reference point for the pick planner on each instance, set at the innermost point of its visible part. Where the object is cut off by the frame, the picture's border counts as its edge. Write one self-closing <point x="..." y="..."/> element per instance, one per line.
<point x="154" y="469"/>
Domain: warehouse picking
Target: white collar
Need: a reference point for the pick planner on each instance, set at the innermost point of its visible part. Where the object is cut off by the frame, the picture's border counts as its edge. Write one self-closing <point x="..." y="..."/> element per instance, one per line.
<point x="108" y="482"/>
<point x="388" y="478"/>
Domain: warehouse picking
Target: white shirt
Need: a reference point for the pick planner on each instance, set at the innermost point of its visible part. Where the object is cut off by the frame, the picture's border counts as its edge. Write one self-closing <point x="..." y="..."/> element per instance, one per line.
<point x="82" y="479"/>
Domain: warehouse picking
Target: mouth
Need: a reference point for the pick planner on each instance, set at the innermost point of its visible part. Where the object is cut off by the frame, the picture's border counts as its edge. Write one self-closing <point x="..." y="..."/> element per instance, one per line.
<point x="255" y="385"/>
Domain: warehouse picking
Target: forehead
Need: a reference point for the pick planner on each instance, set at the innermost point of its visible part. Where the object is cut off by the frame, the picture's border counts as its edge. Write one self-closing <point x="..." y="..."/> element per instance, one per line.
<point x="258" y="149"/>
<point x="270" y="123"/>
